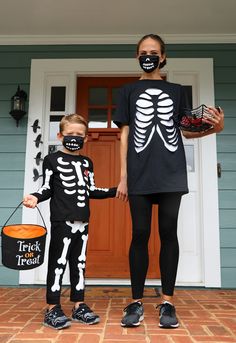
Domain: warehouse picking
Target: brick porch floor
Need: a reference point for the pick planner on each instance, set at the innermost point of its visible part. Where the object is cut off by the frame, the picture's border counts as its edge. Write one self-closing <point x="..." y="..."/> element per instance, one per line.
<point x="204" y="315"/>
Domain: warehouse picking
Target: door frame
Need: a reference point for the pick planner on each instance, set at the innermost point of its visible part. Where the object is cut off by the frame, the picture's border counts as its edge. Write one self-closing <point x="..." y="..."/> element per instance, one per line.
<point x="71" y="69"/>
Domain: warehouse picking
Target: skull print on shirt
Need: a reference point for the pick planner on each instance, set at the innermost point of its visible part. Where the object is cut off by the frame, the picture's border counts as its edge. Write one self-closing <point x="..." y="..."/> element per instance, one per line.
<point x="154" y="115"/>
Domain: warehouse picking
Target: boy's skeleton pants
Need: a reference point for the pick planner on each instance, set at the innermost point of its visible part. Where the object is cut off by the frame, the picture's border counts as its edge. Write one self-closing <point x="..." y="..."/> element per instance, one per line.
<point x="68" y="244"/>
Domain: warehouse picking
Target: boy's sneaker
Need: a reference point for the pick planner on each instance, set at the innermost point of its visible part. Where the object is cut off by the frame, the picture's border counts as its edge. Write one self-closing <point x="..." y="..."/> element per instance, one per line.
<point x="84" y="314"/>
<point x="56" y="318"/>
<point x="167" y="316"/>
<point x="133" y="314"/>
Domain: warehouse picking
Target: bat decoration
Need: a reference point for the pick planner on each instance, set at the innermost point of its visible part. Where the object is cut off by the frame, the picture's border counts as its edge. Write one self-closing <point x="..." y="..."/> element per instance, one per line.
<point x="38" y="158"/>
<point x="38" y="140"/>
<point x="35" y="126"/>
<point x="36" y="175"/>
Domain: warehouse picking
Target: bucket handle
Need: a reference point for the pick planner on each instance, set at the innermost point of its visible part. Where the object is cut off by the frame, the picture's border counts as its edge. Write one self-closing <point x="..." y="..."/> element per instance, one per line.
<point x="17" y="209"/>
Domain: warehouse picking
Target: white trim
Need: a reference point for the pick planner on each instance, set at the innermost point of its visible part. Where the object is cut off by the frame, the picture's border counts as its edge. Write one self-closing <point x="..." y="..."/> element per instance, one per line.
<point x="73" y="67"/>
<point x="114" y="39"/>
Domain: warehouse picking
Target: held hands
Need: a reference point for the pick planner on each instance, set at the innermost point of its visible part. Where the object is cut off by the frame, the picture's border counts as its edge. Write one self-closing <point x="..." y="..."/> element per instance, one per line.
<point x="122" y="191"/>
<point x="215" y="118"/>
<point x="30" y="201"/>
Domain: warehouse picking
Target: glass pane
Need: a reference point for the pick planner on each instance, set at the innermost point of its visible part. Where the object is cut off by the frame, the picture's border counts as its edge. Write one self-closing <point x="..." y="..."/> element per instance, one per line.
<point x="54" y="127"/>
<point x="54" y="148"/>
<point x="114" y="95"/>
<point x="189" y="152"/>
<point x="58" y="99"/>
<point x="97" y="118"/>
<point x="98" y="96"/>
<point x="114" y="126"/>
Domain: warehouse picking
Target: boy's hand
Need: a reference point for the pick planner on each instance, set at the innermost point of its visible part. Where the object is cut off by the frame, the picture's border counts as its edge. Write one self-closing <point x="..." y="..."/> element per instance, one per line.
<point x="30" y="201"/>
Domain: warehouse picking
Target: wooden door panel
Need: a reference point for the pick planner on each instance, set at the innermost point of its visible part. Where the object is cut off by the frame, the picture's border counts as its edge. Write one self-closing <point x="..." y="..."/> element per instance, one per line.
<point x="110" y="222"/>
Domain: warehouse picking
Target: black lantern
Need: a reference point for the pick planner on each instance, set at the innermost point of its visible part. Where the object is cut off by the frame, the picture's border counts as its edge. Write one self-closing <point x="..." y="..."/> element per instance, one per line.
<point x="18" y="105"/>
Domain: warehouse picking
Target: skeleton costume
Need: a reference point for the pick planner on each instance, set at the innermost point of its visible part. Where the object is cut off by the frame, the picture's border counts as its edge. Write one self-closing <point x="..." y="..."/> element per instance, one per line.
<point x="68" y="180"/>
<point x="156" y="171"/>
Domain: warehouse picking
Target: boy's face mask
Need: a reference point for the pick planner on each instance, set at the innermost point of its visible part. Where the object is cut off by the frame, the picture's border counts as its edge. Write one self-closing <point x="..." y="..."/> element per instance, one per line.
<point x="73" y="143"/>
<point x="149" y="62"/>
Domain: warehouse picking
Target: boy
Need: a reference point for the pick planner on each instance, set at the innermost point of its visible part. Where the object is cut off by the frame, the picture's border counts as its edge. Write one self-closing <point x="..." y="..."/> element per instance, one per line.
<point x="68" y="179"/>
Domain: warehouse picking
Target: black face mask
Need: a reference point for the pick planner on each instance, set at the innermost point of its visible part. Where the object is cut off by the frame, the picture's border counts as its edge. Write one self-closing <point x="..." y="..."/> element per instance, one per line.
<point x="149" y="62"/>
<point x="73" y="143"/>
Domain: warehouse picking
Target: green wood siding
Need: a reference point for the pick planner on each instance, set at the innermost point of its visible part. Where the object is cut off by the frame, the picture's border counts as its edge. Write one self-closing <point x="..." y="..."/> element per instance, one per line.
<point x="15" y="69"/>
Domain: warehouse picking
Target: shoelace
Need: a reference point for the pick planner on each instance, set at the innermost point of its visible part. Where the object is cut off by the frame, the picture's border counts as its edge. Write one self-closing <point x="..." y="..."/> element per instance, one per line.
<point x="131" y="307"/>
<point x="167" y="309"/>
<point x="57" y="312"/>
<point x="84" y="308"/>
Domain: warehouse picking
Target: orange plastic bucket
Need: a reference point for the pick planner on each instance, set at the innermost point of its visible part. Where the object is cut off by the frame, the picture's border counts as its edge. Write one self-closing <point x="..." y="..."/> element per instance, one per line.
<point x="23" y="245"/>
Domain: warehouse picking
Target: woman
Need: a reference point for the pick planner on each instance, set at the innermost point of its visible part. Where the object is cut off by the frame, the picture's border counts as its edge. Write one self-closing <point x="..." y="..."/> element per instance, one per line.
<point x="153" y="171"/>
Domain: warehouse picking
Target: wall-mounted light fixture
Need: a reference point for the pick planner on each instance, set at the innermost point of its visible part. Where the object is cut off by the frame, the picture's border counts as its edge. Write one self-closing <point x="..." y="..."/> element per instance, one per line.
<point x="18" y="105"/>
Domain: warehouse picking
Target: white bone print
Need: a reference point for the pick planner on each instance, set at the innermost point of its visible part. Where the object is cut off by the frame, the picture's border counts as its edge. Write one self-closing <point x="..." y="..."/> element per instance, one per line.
<point x="77" y="226"/>
<point x="46" y="185"/>
<point x="153" y="104"/>
<point x="68" y="181"/>
<point x="56" y="286"/>
<point x="62" y="259"/>
<point x="79" y="173"/>
<point x="60" y="160"/>
<point x="80" y="284"/>
<point x="82" y="256"/>
<point x="92" y="184"/>
<point x="85" y="164"/>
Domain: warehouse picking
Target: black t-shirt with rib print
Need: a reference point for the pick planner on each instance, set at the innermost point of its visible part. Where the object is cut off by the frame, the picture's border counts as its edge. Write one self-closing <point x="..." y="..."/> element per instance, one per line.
<point x="156" y="159"/>
<point x="68" y="180"/>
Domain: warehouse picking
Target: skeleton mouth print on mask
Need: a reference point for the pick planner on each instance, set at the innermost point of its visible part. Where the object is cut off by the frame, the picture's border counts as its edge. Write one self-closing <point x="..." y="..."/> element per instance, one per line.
<point x="149" y="62"/>
<point x="73" y="143"/>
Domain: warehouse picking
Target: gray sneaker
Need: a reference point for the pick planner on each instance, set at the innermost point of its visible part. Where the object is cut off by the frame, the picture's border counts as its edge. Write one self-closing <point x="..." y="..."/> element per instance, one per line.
<point x="133" y="314"/>
<point x="56" y="318"/>
<point x="167" y="315"/>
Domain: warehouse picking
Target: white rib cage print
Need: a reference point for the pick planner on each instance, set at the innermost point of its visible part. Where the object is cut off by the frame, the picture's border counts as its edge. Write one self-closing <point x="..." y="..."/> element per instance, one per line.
<point x="151" y="104"/>
<point x="78" y="183"/>
<point x="68" y="181"/>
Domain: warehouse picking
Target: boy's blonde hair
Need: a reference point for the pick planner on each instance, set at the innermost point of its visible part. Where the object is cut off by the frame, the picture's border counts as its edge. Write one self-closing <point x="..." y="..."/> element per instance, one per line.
<point x="75" y="119"/>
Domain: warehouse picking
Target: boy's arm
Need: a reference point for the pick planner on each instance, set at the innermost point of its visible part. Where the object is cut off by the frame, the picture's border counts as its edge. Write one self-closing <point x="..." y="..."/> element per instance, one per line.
<point x="45" y="191"/>
<point x="102" y="193"/>
<point x="99" y="193"/>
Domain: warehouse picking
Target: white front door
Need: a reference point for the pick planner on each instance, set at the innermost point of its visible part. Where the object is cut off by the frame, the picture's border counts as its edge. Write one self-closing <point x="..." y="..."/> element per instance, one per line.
<point x="198" y="221"/>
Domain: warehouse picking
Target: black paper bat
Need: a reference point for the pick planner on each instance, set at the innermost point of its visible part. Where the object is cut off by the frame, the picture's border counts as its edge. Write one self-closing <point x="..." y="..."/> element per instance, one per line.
<point x="38" y="158"/>
<point x="36" y="175"/>
<point x="35" y="125"/>
<point x="38" y="140"/>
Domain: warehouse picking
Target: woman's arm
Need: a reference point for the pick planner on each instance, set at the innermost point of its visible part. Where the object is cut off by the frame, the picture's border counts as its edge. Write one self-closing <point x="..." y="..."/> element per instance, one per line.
<point x="216" y="119"/>
<point x="122" y="191"/>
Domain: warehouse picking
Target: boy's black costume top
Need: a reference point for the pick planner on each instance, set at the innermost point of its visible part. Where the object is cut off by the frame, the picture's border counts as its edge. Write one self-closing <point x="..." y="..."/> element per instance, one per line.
<point x="69" y="181"/>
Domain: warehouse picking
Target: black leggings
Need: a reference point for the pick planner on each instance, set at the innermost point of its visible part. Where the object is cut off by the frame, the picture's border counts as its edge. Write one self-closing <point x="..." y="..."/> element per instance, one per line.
<point x="141" y="213"/>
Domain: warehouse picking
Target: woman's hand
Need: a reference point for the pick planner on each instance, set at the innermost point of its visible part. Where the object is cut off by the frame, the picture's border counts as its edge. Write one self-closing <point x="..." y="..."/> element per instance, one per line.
<point x="215" y="118"/>
<point x="122" y="191"/>
<point x="30" y="201"/>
